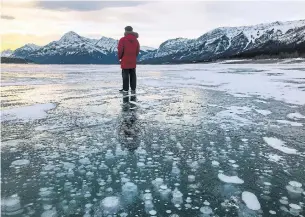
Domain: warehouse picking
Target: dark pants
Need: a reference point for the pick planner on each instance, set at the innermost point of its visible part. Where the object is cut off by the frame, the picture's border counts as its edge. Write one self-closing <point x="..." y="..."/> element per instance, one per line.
<point x="129" y="75"/>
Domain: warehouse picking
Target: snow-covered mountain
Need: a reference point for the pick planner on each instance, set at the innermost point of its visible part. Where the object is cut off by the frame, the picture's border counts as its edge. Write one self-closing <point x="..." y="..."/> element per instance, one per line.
<point x="72" y="48"/>
<point x="226" y="42"/>
<point x="146" y="48"/>
<point x="25" y="50"/>
<point x="6" y="53"/>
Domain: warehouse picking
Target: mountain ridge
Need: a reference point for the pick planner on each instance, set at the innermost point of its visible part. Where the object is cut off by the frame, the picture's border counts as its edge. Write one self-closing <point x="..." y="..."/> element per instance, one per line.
<point x="226" y="42"/>
<point x="219" y="43"/>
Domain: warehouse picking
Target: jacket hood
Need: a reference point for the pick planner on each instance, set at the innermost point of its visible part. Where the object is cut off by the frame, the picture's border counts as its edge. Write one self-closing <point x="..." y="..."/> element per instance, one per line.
<point x="131" y="33"/>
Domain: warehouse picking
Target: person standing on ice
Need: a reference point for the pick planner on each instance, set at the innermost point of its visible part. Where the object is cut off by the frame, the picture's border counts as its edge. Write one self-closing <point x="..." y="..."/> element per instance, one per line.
<point x="128" y="50"/>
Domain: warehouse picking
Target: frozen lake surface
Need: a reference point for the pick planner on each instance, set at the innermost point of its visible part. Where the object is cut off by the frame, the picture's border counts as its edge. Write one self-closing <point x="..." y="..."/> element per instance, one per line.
<point x="196" y="140"/>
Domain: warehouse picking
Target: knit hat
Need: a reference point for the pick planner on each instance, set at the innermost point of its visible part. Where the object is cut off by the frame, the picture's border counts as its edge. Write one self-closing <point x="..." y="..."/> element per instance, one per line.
<point x="128" y="29"/>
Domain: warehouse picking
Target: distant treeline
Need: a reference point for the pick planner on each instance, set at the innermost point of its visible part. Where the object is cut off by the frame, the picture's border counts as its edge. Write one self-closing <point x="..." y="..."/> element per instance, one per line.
<point x="14" y="60"/>
<point x="281" y="55"/>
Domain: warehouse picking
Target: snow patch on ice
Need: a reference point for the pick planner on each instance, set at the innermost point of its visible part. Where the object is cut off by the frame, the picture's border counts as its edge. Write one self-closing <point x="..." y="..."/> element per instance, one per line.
<point x="275" y="157"/>
<point x="293" y="124"/>
<point x="230" y="179"/>
<point x="27" y="113"/>
<point x="279" y="145"/>
<point x="250" y="200"/>
<point x="295" y="116"/>
<point x="263" y="112"/>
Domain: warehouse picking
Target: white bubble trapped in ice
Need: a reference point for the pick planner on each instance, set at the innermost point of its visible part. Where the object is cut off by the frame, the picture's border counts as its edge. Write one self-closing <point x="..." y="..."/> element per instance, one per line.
<point x="147" y="196"/>
<point x="20" y="163"/>
<point x="215" y="163"/>
<point x="45" y="193"/>
<point x="230" y="179"/>
<point x="294" y="189"/>
<point x="157" y="183"/>
<point x="164" y="192"/>
<point x="49" y="213"/>
<point x="148" y="204"/>
<point x="109" y="155"/>
<point x="84" y="161"/>
<point x="250" y="200"/>
<point x="295" y="209"/>
<point x="129" y="192"/>
<point x="140" y="165"/>
<point x="152" y="212"/>
<point x="191" y="178"/>
<point x="103" y="166"/>
<point x="188" y="200"/>
<point x="175" y="170"/>
<point x="177" y="197"/>
<point x="284" y="200"/>
<point x="11" y="205"/>
<point x="109" y="206"/>
<point x="119" y="152"/>
<point x="194" y="165"/>
<point x="206" y="210"/>
<point x="206" y="203"/>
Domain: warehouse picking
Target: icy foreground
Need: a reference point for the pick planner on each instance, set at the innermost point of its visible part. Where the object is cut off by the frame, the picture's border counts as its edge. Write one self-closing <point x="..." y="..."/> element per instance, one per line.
<point x="196" y="140"/>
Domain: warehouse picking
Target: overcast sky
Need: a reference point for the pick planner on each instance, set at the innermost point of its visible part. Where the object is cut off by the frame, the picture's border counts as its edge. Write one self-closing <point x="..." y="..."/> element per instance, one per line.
<point x="39" y="22"/>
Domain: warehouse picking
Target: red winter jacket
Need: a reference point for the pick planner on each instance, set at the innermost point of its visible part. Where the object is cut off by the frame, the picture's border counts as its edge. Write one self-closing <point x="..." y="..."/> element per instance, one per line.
<point x="128" y="50"/>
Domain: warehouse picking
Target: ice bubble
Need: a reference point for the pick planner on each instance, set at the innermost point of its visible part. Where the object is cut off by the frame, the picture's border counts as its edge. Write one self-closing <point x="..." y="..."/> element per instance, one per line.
<point x="267" y="183"/>
<point x="187" y="206"/>
<point x="294" y="188"/>
<point x="250" y="200"/>
<point x="110" y="205"/>
<point x="109" y="155"/>
<point x="49" y="213"/>
<point x="124" y="214"/>
<point x="148" y="204"/>
<point x="103" y="166"/>
<point x="175" y="170"/>
<point x="140" y="164"/>
<point x="177" y="197"/>
<point x="295" y="184"/>
<point x="230" y="179"/>
<point x="119" y="152"/>
<point x="89" y="174"/>
<point x="85" y="161"/>
<point x="147" y="196"/>
<point x="272" y="212"/>
<point x="88" y="206"/>
<point x="152" y="212"/>
<point x="191" y="178"/>
<point x="294" y="209"/>
<point x="20" y="163"/>
<point x="168" y="211"/>
<point x="232" y="161"/>
<point x="141" y="152"/>
<point x="164" y="192"/>
<point x="129" y="191"/>
<point x="235" y="165"/>
<point x="206" y="203"/>
<point x="11" y="205"/>
<point x="188" y="200"/>
<point x="206" y="210"/>
<point x="215" y="163"/>
<point x="194" y="165"/>
<point x="45" y="192"/>
<point x="157" y="182"/>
